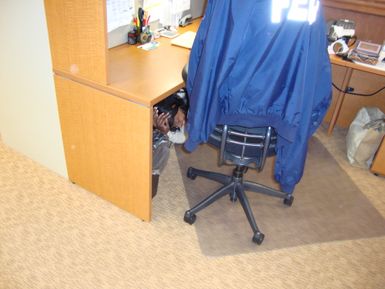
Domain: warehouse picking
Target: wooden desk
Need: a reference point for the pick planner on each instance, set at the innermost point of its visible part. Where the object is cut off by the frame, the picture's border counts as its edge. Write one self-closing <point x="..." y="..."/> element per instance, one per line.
<point x="378" y="165"/>
<point x="346" y="80"/>
<point x="105" y="100"/>
<point x="149" y="76"/>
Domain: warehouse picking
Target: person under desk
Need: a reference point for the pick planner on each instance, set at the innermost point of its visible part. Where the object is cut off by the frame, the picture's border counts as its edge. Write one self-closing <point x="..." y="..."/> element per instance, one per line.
<point x="169" y="117"/>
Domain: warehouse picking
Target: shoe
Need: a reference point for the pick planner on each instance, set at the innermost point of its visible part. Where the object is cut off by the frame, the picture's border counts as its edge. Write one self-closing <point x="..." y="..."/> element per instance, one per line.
<point x="178" y="136"/>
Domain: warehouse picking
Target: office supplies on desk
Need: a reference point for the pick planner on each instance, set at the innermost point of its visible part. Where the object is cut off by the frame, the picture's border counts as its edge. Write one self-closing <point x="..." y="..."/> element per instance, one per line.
<point x="132" y="35"/>
<point x="368" y="48"/>
<point x="380" y="65"/>
<point x="185" y="40"/>
<point x="140" y="18"/>
<point x="119" y="13"/>
<point x="185" y="20"/>
<point x="341" y="28"/>
<point x="168" y="32"/>
<point x="149" y="46"/>
<point x="141" y="22"/>
<point x="338" y="47"/>
<point x="366" y="52"/>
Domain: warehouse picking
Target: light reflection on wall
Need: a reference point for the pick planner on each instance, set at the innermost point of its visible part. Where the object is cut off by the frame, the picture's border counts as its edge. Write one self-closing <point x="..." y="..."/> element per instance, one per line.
<point x="294" y="10"/>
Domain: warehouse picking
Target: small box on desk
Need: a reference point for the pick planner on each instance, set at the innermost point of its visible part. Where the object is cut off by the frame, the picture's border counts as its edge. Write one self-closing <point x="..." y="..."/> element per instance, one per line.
<point x="365" y="52"/>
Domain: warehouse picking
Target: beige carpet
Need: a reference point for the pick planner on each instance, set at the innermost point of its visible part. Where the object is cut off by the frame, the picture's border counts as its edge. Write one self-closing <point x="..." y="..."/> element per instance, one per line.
<point x="328" y="206"/>
<point x="54" y="234"/>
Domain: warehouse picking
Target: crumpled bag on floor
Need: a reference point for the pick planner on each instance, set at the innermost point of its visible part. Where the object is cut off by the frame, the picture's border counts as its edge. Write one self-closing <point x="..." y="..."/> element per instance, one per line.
<point x="160" y="152"/>
<point x="364" y="136"/>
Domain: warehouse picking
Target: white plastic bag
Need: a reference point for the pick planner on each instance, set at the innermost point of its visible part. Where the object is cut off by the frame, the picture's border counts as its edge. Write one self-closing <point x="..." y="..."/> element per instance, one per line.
<point x="364" y="136"/>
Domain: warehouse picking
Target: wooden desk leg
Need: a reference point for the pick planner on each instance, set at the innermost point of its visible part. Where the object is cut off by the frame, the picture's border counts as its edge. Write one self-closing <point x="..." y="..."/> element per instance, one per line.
<point x="378" y="165"/>
<point x="340" y="99"/>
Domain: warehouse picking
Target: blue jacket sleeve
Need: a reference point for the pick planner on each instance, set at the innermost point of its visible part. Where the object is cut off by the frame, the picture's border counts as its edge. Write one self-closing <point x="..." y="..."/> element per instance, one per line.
<point x="291" y="156"/>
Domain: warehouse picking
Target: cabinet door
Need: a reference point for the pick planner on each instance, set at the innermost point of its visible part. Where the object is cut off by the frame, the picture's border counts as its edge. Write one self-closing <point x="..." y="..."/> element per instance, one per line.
<point x="107" y="143"/>
<point x="78" y="37"/>
<point x="378" y="165"/>
<point x="366" y="83"/>
<point x="362" y="82"/>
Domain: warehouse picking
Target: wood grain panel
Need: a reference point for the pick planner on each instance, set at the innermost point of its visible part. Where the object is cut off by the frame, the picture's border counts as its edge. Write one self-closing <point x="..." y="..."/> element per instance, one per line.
<point x="78" y="37"/>
<point x="378" y="165"/>
<point x="107" y="143"/>
<point x="369" y="27"/>
<point x="337" y="74"/>
<point x="335" y="60"/>
<point x="149" y="76"/>
<point x="362" y="82"/>
<point x="375" y="7"/>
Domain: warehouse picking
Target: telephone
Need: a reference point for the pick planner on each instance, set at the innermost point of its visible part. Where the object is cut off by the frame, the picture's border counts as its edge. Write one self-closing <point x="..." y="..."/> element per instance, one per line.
<point x="185" y="20"/>
<point x="342" y="28"/>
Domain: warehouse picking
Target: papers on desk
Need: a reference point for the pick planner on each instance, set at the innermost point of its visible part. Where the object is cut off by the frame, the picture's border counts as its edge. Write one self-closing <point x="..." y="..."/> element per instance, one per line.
<point x="380" y="64"/>
<point x="185" y="40"/>
<point x="149" y="46"/>
<point x="119" y="13"/>
<point x="155" y="8"/>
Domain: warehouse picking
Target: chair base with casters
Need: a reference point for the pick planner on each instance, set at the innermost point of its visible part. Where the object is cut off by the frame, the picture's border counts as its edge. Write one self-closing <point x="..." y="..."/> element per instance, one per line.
<point x="235" y="185"/>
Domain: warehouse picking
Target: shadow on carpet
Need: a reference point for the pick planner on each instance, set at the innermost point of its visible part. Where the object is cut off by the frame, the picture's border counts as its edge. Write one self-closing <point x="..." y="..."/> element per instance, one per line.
<point x="327" y="206"/>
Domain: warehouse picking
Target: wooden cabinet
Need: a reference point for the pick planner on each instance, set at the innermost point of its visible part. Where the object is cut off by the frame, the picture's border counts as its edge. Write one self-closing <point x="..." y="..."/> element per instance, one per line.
<point x="105" y="98"/>
<point x="107" y="136"/>
<point x="369" y="16"/>
<point x="373" y="7"/>
<point x="78" y="38"/>
<point x="363" y="82"/>
<point x="107" y="143"/>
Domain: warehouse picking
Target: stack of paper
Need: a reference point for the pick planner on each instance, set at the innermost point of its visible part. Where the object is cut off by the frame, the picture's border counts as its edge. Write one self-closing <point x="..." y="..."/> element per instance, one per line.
<point x="184" y="40"/>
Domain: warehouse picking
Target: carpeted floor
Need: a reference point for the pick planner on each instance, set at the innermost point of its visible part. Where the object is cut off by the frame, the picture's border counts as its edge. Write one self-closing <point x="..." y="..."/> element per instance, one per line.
<point x="328" y="206"/>
<point x="54" y="234"/>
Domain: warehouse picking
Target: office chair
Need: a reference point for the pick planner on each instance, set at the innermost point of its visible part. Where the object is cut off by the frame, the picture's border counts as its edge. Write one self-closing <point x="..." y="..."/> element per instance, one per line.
<point x="243" y="148"/>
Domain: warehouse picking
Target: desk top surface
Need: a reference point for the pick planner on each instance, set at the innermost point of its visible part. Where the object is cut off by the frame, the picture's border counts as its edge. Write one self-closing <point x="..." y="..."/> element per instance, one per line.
<point x="148" y="76"/>
<point x="339" y="61"/>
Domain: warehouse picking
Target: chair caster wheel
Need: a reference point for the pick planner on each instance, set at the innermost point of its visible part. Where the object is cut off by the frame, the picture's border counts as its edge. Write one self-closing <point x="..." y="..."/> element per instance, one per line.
<point x="258" y="238"/>
<point x="288" y="201"/>
<point x="189" y="218"/>
<point x="190" y="173"/>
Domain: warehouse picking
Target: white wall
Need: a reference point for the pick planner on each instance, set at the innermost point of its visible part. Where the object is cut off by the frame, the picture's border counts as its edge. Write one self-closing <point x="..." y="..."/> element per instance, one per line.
<point x="29" y="120"/>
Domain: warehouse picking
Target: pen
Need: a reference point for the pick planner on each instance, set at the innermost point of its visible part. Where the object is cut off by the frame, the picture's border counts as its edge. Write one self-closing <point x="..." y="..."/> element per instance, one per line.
<point x="140" y="18"/>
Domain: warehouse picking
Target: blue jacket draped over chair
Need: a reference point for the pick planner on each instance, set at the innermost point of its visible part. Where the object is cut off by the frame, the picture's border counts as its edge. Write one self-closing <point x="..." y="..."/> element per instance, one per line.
<point x="261" y="63"/>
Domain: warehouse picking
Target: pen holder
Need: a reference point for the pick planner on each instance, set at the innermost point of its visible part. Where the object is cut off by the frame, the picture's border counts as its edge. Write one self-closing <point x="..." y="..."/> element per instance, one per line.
<point x="132" y="37"/>
<point x="145" y="37"/>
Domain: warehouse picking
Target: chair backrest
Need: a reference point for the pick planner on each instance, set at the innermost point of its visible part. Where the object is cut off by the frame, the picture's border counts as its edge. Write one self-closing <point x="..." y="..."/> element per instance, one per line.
<point x="244" y="146"/>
